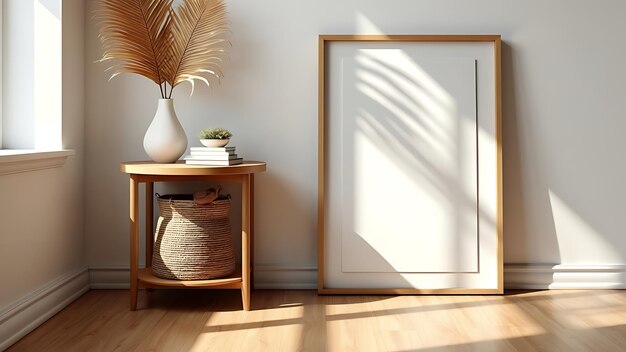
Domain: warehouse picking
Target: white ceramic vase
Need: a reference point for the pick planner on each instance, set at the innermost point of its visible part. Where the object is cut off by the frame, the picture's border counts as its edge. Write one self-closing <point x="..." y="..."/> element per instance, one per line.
<point x="165" y="140"/>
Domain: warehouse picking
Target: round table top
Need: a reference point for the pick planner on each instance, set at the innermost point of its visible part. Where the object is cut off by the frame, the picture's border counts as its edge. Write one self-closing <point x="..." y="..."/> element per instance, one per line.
<point x="181" y="169"/>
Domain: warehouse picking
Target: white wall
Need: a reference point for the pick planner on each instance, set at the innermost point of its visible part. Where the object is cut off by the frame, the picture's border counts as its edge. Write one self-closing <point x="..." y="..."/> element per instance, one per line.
<point x="41" y="212"/>
<point x="563" y="77"/>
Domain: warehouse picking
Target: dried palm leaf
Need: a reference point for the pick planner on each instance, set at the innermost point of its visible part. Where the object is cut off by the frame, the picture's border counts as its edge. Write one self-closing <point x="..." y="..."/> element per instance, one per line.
<point x="198" y="29"/>
<point x="136" y="35"/>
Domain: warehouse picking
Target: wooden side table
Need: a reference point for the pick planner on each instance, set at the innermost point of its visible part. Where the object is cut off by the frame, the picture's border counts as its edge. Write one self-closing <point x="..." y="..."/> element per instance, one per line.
<point x="150" y="172"/>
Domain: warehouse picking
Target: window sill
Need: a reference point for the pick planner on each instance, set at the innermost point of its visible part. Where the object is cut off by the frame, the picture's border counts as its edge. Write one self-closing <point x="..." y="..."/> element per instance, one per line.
<point x="14" y="161"/>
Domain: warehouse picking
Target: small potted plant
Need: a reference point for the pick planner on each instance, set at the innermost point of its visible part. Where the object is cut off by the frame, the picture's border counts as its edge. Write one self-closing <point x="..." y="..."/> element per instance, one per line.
<point x="215" y="137"/>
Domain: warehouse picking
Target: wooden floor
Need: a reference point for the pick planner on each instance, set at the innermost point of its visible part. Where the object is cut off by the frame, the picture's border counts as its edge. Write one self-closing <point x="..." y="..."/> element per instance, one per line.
<point x="202" y="320"/>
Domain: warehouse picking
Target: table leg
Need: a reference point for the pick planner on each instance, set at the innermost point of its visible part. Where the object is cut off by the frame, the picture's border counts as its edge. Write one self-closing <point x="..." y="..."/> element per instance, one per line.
<point x="245" y="241"/>
<point x="149" y="222"/>
<point x="134" y="240"/>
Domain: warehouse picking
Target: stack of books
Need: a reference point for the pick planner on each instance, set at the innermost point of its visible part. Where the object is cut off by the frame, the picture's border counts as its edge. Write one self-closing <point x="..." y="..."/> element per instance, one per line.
<point x="222" y="156"/>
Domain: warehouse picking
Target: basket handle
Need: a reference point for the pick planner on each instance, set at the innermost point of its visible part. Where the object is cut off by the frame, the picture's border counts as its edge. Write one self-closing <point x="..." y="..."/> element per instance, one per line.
<point x="169" y="200"/>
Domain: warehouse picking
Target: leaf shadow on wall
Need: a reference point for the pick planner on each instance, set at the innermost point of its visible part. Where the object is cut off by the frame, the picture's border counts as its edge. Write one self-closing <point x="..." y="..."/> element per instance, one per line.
<point x="409" y="121"/>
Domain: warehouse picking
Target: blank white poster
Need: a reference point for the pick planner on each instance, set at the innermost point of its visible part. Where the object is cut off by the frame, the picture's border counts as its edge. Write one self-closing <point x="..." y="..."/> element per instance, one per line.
<point x="409" y="171"/>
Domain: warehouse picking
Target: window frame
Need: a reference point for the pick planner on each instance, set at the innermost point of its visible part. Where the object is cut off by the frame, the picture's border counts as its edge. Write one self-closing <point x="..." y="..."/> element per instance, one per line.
<point x="23" y="160"/>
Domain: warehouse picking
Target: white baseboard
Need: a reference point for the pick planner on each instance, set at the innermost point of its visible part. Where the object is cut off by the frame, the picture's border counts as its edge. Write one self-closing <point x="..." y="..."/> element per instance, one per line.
<point x="560" y="277"/>
<point x="28" y="313"/>
<point x="516" y="276"/>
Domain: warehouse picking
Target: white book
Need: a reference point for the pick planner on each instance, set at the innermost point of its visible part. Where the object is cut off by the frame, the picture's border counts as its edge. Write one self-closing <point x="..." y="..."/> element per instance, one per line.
<point x="213" y="153"/>
<point x="212" y="149"/>
<point x="215" y="162"/>
<point x="211" y="157"/>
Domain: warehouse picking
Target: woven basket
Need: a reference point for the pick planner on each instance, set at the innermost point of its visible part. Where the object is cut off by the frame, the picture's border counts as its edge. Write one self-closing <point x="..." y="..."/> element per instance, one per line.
<point x="192" y="242"/>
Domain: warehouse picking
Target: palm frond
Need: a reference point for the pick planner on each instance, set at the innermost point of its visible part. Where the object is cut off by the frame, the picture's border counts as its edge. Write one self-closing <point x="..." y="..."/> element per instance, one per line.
<point x="198" y="33"/>
<point x="136" y="36"/>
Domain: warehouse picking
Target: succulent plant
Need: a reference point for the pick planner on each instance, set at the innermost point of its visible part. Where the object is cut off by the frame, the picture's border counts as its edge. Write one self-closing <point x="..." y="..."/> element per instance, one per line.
<point x="215" y="133"/>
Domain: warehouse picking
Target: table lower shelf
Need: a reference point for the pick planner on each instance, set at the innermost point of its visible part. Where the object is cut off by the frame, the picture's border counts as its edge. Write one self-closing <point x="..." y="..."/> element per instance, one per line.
<point x="148" y="280"/>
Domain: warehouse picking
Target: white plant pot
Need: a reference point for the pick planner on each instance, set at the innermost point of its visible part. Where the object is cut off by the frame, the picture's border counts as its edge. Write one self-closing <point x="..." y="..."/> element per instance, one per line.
<point x="214" y="143"/>
<point x="165" y="140"/>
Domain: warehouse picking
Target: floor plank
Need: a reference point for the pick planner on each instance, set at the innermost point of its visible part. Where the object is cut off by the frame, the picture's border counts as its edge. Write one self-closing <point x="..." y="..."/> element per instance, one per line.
<point x="212" y="320"/>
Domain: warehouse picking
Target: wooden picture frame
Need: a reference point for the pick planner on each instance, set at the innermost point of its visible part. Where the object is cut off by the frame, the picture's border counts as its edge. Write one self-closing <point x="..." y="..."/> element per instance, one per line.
<point x="325" y="43"/>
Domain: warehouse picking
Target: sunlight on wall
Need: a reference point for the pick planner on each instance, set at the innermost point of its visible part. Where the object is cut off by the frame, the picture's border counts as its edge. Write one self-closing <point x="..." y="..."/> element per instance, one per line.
<point x="47" y="74"/>
<point x="365" y="25"/>
<point x="572" y="230"/>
